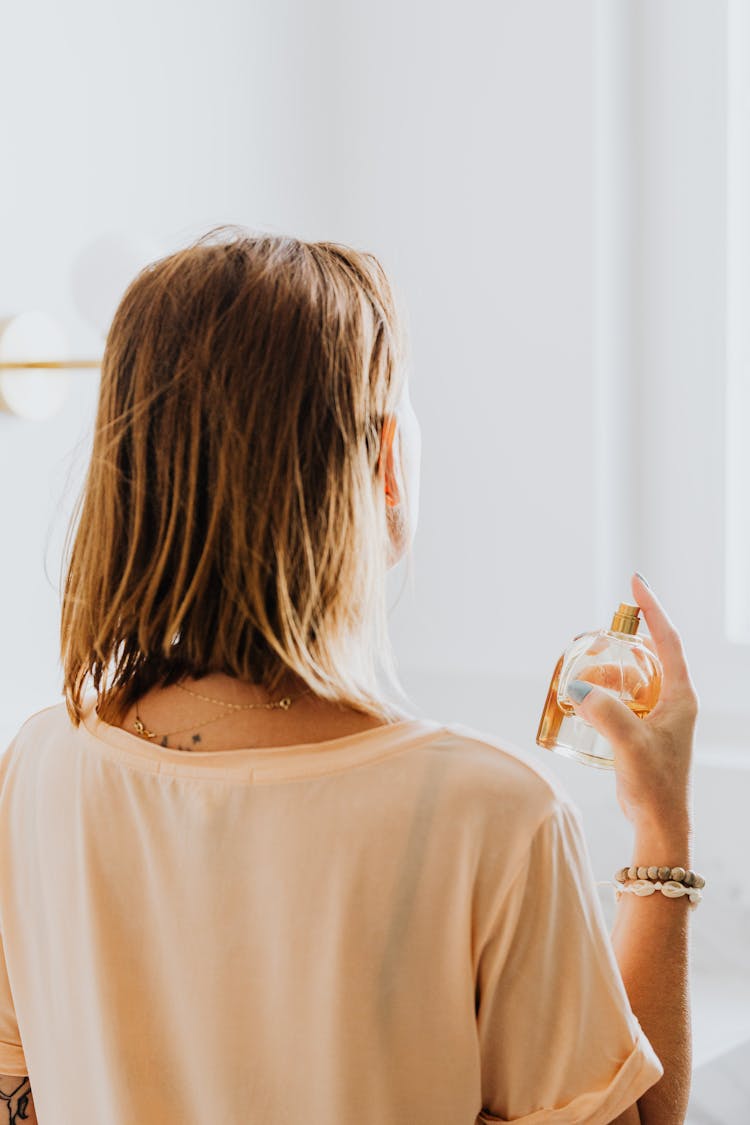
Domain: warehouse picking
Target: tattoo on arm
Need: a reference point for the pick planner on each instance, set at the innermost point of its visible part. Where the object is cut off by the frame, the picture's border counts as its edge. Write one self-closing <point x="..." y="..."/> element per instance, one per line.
<point x="18" y="1101"/>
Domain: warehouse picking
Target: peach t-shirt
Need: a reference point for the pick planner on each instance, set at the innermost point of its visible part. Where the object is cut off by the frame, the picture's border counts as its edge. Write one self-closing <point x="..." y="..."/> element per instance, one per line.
<point x="399" y="926"/>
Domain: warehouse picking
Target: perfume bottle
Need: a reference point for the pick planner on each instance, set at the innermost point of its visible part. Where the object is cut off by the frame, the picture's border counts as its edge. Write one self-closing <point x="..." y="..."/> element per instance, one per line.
<point x="615" y="659"/>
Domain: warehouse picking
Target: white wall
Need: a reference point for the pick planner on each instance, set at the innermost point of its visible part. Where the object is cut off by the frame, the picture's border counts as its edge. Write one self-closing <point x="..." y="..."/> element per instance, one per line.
<point x="679" y="297"/>
<point x="464" y="145"/>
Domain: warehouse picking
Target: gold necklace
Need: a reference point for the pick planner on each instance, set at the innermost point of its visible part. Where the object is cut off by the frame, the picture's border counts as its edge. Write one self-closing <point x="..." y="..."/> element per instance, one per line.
<point x="285" y="703"/>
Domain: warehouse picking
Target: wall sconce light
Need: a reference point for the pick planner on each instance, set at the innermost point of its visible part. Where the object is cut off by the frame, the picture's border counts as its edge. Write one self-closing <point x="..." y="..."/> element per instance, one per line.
<point x="35" y="380"/>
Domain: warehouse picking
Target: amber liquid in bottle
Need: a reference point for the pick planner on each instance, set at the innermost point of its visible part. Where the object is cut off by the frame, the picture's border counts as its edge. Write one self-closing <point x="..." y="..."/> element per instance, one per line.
<point x="617" y="661"/>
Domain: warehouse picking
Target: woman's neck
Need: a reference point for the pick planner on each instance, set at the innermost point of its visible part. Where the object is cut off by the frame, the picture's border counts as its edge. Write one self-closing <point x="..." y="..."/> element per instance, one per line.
<point x="178" y="719"/>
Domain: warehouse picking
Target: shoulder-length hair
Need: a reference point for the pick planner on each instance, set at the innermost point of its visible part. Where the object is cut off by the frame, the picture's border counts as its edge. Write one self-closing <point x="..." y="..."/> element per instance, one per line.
<point x="233" y="516"/>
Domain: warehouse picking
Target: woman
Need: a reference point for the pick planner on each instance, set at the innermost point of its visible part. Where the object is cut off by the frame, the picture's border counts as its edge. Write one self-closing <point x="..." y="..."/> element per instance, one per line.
<point x="237" y="883"/>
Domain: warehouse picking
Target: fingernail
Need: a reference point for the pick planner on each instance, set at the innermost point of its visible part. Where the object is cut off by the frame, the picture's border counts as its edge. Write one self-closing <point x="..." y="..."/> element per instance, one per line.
<point x="578" y="690"/>
<point x="643" y="580"/>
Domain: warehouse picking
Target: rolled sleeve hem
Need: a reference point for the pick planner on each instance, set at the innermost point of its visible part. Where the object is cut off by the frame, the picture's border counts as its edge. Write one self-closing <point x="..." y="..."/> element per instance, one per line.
<point x="12" y="1060"/>
<point x="640" y="1070"/>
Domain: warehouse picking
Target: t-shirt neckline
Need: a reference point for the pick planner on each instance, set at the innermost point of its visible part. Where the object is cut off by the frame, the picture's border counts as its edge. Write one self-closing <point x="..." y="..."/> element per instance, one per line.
<point x="299" y="758"/>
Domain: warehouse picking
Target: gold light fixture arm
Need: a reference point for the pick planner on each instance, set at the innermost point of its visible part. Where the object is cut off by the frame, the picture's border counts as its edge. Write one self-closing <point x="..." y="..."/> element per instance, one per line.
<point x="58" y="364"/>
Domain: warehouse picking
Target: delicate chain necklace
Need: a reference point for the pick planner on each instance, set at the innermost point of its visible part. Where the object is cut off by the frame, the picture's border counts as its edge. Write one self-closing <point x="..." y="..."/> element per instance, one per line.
<point x="141" y="728"/>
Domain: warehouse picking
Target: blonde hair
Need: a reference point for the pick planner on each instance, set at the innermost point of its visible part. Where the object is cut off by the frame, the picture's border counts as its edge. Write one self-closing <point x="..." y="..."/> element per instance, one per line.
<point x="233" y="515"/>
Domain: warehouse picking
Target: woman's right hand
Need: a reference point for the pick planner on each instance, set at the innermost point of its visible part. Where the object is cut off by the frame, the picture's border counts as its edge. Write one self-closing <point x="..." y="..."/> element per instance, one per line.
<point x="653" y="756"/>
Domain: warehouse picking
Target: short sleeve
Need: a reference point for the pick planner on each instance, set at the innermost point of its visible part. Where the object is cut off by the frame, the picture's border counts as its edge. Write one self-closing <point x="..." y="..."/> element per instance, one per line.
<point x="559" y="1041"/>
<point x="12" y="1059"/>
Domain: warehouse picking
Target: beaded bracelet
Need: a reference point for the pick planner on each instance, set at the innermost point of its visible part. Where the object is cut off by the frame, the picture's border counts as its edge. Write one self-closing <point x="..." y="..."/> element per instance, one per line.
<point x="673" y="882"/>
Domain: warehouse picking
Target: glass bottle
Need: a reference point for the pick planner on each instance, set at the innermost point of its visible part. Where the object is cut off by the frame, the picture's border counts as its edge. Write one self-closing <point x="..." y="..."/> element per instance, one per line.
<point x="615" y="659"/>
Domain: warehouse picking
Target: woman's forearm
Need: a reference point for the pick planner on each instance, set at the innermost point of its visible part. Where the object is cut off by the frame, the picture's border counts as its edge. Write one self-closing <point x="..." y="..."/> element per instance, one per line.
<point x="651" y="942"/>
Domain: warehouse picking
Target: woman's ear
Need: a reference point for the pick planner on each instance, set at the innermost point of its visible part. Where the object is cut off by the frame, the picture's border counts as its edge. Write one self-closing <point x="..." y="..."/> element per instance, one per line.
<point x="385" y="457"/>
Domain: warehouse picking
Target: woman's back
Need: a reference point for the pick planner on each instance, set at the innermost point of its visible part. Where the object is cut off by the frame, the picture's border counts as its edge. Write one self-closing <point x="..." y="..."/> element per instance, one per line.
<point x="397" y="925"/>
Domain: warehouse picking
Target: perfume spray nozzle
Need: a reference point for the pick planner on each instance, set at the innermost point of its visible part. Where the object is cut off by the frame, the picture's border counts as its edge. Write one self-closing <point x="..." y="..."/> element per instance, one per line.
<point x="626" y="619"/>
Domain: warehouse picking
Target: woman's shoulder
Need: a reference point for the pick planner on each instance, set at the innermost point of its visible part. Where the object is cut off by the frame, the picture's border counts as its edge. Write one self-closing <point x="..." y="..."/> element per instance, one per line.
<point x="494" y="797"/>
<point x="489" y="764"/>
<point x="54" y="714"/>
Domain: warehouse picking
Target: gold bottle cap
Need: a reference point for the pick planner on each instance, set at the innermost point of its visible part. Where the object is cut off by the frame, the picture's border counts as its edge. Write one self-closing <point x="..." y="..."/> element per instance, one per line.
<point x="626" y="620"/>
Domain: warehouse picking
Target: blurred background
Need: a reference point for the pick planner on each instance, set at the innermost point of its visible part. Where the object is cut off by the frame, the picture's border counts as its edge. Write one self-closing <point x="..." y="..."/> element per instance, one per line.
<point x="559" y="190"/>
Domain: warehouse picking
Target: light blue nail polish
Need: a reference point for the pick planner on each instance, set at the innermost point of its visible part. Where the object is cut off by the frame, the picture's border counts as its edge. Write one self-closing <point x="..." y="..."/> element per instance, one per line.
<point x="643" y="580"/>
<point x="578" y="690"/>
